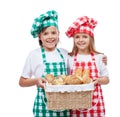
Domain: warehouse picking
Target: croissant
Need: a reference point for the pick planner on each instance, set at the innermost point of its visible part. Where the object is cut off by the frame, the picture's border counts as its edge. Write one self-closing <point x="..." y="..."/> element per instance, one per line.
<point x="72" y="79"/>
<point x="79" y="77"/>
<point x="58" y="81"/>
<point x="78" y="72"/>
<point x="49" y="78"/>
<point x="86" y="76"/>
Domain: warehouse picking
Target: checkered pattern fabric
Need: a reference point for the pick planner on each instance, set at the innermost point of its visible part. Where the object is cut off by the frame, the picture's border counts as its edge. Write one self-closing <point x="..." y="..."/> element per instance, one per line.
<point x="98" y="109"/>
<point x="82" y="25"/>
<point x="40" y="104"/>
<point x="50" y="18"/>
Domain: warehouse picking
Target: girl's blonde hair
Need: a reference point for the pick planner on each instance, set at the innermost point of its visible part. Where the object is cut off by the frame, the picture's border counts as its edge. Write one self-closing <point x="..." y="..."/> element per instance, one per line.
<point x="91" y="48"/>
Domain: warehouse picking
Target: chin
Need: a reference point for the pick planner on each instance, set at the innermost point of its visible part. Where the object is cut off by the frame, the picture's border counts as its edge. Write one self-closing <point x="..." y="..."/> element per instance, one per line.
<point x="52" y="45"/>
<point x="51" y="48"/>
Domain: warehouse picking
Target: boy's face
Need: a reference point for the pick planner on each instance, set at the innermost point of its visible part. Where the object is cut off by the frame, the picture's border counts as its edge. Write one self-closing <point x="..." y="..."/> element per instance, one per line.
<point x="49" y="38"/>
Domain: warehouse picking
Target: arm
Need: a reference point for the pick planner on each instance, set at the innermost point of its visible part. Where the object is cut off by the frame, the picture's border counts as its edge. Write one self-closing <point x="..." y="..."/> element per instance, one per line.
<point x="103" y="72"/>
<point x="101" y="81"/>
<point x="31" y="66"/>
<point x="26" y="82"/>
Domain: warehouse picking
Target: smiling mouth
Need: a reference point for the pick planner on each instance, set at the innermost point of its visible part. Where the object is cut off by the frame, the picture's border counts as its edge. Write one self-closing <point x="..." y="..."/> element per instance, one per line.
<point x="50" y="41"/>
<point x="81" y="44"/>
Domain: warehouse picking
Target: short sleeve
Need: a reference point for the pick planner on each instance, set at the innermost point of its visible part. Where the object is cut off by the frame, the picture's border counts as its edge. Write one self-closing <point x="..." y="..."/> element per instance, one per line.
<point x="103" y="68"/>
<point x="27" y="70"/>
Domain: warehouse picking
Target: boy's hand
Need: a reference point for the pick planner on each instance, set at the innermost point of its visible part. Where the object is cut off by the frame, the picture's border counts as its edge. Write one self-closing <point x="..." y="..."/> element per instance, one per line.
<point x="41" y="82"/>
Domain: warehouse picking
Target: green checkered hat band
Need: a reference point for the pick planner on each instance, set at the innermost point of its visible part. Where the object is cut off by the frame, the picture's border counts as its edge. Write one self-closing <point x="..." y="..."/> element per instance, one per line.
<point x="50" y="18"/>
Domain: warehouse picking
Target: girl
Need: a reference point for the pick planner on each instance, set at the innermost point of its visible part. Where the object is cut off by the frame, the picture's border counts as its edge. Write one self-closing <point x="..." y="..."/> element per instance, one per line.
<point x="44" y="60"/>
<point x="85" y="56"/>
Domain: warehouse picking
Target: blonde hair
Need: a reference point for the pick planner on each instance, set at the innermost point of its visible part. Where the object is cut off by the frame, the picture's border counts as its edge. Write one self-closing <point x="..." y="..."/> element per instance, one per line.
<point x="91" y="48"/>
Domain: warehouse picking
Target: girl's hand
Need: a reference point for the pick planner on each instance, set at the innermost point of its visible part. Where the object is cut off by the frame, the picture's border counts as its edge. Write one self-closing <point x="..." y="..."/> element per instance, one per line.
<point x="95" y="81"/>
<point x="101" y="81"/>
<point x="41" y="82"/>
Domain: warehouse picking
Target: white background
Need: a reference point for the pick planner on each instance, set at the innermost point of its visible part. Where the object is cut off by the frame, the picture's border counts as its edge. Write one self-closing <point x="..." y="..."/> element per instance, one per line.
<point x="16" y="18"/>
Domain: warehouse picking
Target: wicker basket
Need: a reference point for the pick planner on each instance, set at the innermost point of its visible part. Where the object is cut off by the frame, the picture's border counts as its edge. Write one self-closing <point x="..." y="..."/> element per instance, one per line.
<point x="64" y="97"/>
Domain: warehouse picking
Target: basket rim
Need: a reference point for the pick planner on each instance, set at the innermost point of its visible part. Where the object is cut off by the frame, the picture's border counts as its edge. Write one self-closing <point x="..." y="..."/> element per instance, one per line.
<point x="69" y="88"/>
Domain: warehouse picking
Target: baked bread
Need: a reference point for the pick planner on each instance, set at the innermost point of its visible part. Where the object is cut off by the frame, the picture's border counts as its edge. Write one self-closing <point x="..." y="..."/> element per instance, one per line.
<point x="86" y="76"/>
<point x="58" y="81"/>
<point x="78" y="72"/>
<point x="72" y="80"/>
<point x="79" y="77"/>
<point x="49" y="78"/>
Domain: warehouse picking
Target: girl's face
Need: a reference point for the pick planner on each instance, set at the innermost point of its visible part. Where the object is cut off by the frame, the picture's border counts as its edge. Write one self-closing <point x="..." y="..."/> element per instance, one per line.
<point x="49" y="38"/>
<point x="82" y="42"/>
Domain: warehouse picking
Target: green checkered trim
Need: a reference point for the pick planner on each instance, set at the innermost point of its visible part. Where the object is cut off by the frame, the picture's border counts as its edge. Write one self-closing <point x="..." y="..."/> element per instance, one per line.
<point x="50" y="18"/>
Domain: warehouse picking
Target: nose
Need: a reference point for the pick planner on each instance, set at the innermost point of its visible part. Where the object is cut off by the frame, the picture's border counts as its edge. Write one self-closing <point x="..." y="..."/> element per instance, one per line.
<point x="50" y="36"/>
<point x="80" y="38"/>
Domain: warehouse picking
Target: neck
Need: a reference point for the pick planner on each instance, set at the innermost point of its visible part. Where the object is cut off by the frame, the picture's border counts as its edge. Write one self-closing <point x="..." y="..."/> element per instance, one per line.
<point x="83" y="52"/>
<point x="49" y="49"/>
